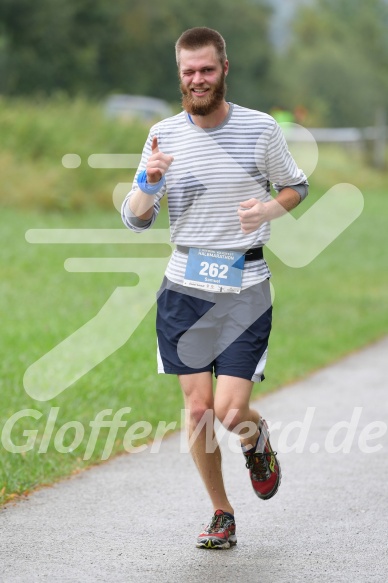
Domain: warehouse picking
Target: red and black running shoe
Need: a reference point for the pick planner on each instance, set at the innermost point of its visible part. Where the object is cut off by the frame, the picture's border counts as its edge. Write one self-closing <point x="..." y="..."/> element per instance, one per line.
<point x="220" y="533"/>
<point x="264" y="468"/>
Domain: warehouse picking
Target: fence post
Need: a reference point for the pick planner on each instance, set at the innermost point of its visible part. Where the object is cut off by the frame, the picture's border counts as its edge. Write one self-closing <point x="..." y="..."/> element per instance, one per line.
<point x="380" y="142"/>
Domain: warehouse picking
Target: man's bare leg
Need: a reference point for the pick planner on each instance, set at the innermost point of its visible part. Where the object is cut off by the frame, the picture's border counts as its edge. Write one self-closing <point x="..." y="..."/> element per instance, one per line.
<point x="231" y="405"/>
<point x="198" y="395"/>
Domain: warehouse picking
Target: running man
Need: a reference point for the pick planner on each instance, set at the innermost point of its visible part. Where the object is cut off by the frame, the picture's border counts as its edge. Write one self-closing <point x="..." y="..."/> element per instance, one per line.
<point x="215" y="161"/>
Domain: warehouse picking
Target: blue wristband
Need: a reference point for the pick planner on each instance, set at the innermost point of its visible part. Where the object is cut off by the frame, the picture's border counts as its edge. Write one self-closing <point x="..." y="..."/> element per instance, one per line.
<point x="146" y="187"/>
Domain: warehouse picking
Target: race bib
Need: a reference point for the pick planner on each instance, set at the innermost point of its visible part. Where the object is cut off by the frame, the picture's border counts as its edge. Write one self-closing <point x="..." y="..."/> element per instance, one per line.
<point x="214" y="270"/>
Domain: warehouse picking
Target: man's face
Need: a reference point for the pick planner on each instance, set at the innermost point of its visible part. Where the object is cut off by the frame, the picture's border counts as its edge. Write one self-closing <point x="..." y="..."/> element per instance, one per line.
<point x="202" y="80"/>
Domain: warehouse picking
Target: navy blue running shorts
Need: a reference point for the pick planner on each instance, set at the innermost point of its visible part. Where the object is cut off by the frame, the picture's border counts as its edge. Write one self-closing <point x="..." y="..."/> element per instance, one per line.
<point x="224" y="333"/>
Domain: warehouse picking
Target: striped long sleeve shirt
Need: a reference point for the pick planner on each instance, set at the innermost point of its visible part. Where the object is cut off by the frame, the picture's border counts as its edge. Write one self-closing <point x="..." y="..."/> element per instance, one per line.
<point x="213" y="172"/>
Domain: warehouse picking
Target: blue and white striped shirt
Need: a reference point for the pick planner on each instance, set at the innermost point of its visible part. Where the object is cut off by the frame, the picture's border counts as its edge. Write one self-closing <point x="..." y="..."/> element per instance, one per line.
<point x="214" y="170"/>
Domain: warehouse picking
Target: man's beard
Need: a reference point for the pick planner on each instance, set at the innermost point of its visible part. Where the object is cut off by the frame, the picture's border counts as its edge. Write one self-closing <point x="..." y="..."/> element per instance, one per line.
<point x="204" y="105"/>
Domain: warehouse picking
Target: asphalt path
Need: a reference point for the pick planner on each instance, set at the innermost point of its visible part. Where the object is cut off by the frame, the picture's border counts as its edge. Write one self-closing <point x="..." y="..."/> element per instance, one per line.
<point x="136" y="517"/>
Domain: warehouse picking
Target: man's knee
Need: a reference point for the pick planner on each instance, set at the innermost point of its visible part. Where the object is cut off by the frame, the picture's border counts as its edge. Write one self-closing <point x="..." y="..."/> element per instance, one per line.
<point x="200" y="413"/>
<point x="198" y="396"/>
<point x="230" y="416"/>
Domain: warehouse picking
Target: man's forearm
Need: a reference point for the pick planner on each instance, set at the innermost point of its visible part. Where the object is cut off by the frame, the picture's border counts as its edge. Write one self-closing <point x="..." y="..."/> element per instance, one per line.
<point x="253" y="213"/>
<point x="285" y="201"/>
<point x="141" y="204"/>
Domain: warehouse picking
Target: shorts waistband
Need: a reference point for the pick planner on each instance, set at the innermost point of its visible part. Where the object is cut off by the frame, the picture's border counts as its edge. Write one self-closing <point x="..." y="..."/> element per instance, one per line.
<point x="254" y="254"/>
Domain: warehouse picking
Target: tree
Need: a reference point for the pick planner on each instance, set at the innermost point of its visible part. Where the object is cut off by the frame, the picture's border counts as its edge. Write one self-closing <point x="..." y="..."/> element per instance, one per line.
<point x="95" y="47"/>
<point x="337" y="64"/>
<point x="50" y="44"/>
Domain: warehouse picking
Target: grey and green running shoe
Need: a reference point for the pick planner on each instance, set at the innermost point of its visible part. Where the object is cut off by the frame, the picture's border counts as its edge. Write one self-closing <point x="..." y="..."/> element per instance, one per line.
<point x="220" y="533"/>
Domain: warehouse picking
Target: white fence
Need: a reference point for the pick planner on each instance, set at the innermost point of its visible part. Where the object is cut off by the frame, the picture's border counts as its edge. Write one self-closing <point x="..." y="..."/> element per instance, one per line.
<point x="373" y="139"/>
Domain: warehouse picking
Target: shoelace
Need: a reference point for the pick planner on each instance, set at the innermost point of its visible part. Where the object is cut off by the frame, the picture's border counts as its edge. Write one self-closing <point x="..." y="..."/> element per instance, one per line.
<point x="258" y="464"/>
<point x="216" y="523"/>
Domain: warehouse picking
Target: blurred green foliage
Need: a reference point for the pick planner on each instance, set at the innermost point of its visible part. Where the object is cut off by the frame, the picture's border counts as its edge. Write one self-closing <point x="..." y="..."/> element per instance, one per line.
<point x="37" y="133"/>
<point x="96" y="47"/>
<point x="334" y="65"/>
<point x="337" y="63"/>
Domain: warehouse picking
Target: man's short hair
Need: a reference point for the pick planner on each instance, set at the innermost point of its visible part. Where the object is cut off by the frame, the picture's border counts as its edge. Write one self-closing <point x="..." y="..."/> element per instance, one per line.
<point x="199" y="37"/>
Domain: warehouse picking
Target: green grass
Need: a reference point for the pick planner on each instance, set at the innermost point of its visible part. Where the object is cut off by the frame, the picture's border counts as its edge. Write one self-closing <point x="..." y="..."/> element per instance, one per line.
<point x="335" y="305"/>
<point x="36" y="135"/>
